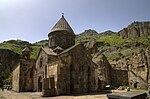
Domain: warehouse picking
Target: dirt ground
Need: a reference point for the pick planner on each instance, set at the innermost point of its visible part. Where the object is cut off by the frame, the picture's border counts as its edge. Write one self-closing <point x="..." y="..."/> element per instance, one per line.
<point x="37" y="95"/>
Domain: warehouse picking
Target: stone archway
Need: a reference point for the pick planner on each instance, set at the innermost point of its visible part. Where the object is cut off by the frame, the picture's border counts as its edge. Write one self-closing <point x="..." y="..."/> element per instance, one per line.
<point x="39" y="84"/>
<point x="135" y="84"/>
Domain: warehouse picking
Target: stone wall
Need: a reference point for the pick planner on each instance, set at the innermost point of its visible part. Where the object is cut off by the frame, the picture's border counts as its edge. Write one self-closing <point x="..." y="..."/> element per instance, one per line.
<point x="119" y="78"/>
<point x="61" y="39"/>
<point x="41" y="63"/>
<point x="16" y="78"/>
<point x="34" y="79"/>
<point x="82" y="71"/>
<point x="103" y="69"/>
<point x="63" y="81"/>
<point x="26" y="75"/>
<point x="23" y="76"/>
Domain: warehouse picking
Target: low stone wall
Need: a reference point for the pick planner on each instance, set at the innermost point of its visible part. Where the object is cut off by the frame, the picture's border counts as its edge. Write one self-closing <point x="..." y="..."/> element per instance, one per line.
<point x="119" y="78"/>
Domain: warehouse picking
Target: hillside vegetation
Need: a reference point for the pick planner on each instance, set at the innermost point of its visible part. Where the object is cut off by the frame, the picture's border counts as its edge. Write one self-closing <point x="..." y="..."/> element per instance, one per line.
<point x="108" y="40"/>
<point x="17" y="46"/>
<point x="113" y="39"/>
<point x="114" y="46"/>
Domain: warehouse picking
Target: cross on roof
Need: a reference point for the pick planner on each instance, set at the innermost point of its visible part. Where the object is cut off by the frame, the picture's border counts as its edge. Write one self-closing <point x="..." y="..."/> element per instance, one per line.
<point x="62" y="14"/>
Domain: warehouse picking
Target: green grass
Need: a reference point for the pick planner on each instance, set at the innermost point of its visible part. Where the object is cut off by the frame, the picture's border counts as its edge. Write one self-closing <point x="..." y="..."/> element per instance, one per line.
<point x="138" y="88"/>
<point x="12" y="47"/>
<point x="18" y="48"/>
<point x="114" y="39"/>
<point x="111" y="39"/>
<point x="35" y="51"/>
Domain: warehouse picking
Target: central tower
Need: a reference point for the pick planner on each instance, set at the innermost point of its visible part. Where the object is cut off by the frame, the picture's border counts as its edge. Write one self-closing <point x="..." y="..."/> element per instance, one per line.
<point x="61" y="35"/>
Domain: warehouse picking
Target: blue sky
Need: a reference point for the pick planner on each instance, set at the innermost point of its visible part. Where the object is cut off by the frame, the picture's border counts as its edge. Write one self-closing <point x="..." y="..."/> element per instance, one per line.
<point x="32" y="20"/>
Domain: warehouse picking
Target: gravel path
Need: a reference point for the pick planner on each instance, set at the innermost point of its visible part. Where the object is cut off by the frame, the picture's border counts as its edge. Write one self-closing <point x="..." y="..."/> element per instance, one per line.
<point x="36" y="95"/>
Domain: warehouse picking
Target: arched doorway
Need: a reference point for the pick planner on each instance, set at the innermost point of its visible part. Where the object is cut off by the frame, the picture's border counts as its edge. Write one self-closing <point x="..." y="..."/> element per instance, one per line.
<point x="99" y="83"/>
<point x="135" y="84"/>
<point x="39" y="84"/>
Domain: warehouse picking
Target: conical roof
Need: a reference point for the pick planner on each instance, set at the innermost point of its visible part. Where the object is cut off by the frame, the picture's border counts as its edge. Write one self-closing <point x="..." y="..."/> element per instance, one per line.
<point x="62" y="25"/>
<point x="26" y="49"/>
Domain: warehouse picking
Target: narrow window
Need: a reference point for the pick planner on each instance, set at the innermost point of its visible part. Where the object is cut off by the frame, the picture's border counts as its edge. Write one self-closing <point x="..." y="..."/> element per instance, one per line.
<point x="41" y="62"/>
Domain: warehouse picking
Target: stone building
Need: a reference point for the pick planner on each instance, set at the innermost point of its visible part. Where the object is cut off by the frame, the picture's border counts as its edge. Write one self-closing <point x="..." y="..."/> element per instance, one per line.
<point x="61" y="35"/>
<point x="61" y="68"/>
<point x="64" y="67"/>
<point x="23" y="73"/>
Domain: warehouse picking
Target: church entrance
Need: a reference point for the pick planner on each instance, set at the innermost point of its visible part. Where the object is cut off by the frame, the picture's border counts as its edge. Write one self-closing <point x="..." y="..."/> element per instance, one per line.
<point x="99" y="83"/>
<point x="39" y="84"/>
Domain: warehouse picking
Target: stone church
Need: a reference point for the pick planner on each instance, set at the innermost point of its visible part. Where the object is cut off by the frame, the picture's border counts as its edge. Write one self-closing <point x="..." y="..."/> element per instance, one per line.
<point x="23" y="73"/>
<point x="61" y="68"/>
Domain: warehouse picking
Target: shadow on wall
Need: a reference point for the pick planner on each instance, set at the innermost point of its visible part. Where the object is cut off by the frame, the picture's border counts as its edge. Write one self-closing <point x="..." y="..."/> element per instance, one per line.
<point x="119" y="78"/>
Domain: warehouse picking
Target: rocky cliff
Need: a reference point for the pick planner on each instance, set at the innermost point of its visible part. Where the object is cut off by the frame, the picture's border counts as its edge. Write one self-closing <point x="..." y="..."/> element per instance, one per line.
<point x="135" y="30"/>
<point x="7" y="62"/>
<point x="126" y="65"/>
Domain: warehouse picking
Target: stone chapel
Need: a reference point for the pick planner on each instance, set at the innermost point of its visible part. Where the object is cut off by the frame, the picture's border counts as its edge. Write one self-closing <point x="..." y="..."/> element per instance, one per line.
<point x="61" y="68"/>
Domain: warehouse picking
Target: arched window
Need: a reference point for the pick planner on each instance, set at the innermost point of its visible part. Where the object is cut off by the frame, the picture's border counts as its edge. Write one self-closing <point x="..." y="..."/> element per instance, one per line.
<point x="41" y="62"/>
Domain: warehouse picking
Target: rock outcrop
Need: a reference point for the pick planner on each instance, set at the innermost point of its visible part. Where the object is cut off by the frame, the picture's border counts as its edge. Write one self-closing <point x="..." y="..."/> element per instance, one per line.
<point x="138" y="67"/>
<point x="127" y="65"/>
<point x="109" y="32"/>
<point x="88" y="32"/>
<point x="92" y="46"/>
<point x="135" y="30"/>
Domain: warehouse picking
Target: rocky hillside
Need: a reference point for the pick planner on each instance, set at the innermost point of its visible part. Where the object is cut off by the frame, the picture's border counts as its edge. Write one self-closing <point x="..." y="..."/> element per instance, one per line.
<point x="127" y="53"/>
<point x="136" y="29"/>
<point x="8" y="59"/>
<point x="124" y="55"/>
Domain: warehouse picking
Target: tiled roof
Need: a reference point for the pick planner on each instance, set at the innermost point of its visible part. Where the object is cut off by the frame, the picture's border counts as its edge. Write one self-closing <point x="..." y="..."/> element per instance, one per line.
<point x="49" y="51"/>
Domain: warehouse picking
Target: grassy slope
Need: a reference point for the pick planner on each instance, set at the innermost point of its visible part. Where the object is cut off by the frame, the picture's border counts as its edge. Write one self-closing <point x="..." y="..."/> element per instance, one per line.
<point x="18" y="45"/>
<point x="112" y="39"/>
